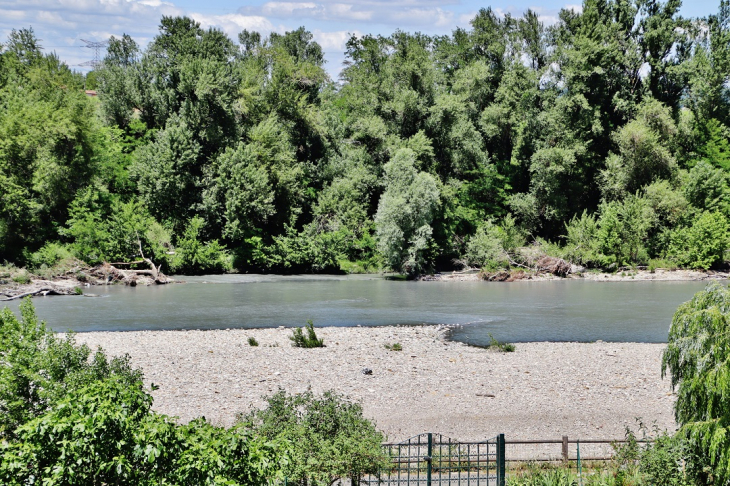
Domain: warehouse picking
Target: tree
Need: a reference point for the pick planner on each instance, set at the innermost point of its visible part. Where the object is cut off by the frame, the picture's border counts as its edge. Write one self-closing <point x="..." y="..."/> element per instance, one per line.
<point x="696" y="358"/>
<point x="405" y="212"/>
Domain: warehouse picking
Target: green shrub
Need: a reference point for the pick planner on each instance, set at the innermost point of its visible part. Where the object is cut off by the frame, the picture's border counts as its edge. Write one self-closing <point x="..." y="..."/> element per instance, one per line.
<point x="394" y="347"/>
<point x="299" y="340"/>
<point x="72" y="418"/>
<point x="485" y="248"/>
<point x="328" y="436"/>
<point x="703" y="244"/>
<point x="39" y="368"/>
<point x="504" y="347"/>
<point x="50" y="255"/>
<point x="193" y="257"/>
<point x="252" y="341"/>
<point x="582" y="243"/>
<point x="656" y="263"/>
<point x="22" y="277"/>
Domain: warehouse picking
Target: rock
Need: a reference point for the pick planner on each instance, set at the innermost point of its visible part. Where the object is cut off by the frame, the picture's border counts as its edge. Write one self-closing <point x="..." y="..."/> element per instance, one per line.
<point x="367" y="371"/>
<point x="577" y="268"/>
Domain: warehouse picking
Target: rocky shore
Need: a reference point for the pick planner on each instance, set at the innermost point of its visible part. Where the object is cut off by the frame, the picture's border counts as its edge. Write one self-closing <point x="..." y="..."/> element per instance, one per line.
<point x="659" y="274"/>
<point x="540" y="391"/>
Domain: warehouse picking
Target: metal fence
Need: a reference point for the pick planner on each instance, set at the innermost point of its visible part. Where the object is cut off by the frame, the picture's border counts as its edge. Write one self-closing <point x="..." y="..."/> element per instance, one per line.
<point x="434" y="460"/>
<point x="561" y="450"/>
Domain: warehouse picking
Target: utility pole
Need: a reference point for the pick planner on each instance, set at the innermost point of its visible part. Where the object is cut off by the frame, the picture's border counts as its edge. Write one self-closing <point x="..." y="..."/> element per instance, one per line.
<point x="97" y="46"/>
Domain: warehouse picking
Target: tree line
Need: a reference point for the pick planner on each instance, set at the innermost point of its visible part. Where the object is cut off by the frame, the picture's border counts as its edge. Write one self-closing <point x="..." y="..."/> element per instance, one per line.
<point x="602" y="139"/>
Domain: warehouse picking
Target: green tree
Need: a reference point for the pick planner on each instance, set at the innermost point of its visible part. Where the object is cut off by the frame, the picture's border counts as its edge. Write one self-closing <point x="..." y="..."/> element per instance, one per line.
<point x="696" y="360"/>
<point x="405" y="212"/>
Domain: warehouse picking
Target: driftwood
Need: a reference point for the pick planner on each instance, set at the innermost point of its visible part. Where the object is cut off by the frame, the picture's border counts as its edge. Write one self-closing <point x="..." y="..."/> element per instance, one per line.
<point x="108" y="272"/>
<point x="42" y="291"/>
<point x="556" y="266"/>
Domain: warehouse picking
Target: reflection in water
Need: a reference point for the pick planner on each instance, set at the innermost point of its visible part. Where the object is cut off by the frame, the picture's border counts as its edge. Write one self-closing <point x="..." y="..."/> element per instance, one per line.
<point x="516" y="312"/>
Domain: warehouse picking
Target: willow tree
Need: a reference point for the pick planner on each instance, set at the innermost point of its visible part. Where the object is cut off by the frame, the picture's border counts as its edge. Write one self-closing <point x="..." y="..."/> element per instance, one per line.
<point x="698" y="360"/>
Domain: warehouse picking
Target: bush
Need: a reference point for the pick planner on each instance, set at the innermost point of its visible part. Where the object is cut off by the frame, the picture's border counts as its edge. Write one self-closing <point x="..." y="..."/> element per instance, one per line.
<point x="193" y="257"/>
<point x="504" y="347"/>
<point x="328" y="436"/>
<point x="582" y="243"/>
<point x="50" y="255"/>
<point x="252" y="341"/>
<point x="38" y="369"/>
<point x="703" y="244"/>
<point x="299" y="340"/>
<point x="394" y="347"/>
<point x="71" y="418"/>
<point x="21" y="277"/>
<point x="485" y="248"/>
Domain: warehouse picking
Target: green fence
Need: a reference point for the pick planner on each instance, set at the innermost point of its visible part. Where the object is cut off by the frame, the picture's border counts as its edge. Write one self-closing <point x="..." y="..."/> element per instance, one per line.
<point x="434" y="460"/>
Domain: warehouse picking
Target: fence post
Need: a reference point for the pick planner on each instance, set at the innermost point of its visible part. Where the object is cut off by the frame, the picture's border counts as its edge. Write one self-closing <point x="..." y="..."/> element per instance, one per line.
<point x="500" y="460"/>
<point x="565" y="448"/>
<point x="429" y="459"/>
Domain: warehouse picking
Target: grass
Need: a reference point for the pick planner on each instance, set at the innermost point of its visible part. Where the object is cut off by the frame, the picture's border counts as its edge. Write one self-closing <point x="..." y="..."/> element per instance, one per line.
<point x="394" y="347"/>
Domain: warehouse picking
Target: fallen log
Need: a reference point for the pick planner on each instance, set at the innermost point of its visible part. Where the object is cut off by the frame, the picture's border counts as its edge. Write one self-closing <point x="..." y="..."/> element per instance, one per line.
<point x="40" y="291"/>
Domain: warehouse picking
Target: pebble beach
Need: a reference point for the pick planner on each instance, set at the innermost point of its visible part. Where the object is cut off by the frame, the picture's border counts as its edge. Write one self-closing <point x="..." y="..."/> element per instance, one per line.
<point x="541" y="391"/>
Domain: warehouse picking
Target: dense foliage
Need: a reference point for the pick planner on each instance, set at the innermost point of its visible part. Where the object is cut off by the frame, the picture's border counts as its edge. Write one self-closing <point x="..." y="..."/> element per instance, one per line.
<point x="328" y="438"/>
<point x="69" y="416"/>
<point x="603" y="138"/>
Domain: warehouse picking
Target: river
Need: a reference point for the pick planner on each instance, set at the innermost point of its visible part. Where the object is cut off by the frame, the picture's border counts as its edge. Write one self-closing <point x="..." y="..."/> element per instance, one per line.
<point x="563" y="310"/>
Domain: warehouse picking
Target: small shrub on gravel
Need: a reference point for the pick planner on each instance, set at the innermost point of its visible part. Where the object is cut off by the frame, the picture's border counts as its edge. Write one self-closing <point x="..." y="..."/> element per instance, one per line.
<point x="252" y="341"/>
<point x="394" y="347"/>
<point x="504" y="347"/>
<point x="299" y="340"/>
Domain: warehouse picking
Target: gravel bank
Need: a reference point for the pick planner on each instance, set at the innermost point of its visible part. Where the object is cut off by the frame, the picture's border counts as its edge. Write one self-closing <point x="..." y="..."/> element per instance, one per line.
<point x="543" y="390"/>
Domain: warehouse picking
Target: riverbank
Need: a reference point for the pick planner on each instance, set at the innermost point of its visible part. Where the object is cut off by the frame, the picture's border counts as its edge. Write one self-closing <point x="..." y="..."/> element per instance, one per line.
<point x="542" y="390"/>
<point x="19" y="283"/>
<point x="659" y="274"/>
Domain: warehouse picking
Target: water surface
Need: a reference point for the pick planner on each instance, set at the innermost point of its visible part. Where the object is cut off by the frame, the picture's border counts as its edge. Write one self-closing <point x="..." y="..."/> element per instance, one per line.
<point x="570" y="310"/>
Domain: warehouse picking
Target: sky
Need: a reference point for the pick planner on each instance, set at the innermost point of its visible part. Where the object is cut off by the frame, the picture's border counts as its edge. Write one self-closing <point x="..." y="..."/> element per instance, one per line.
<point x="63" y="25"/>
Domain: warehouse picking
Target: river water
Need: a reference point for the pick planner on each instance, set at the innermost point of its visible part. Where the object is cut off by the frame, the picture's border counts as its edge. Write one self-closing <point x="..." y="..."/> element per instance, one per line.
<point x="569" y="310"/>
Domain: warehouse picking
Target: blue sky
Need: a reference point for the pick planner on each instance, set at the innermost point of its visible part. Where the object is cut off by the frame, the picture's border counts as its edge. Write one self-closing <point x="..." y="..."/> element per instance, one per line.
<point x="61" y="24"/>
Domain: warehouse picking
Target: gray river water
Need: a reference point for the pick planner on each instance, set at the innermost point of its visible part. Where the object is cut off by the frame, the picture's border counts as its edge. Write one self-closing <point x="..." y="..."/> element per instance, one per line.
<point x="569" y="310"/>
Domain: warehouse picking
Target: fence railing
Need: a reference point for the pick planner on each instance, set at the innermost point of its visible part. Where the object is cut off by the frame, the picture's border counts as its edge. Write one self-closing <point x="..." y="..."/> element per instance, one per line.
<point x="563" y="449"/>
<point x="433" y="460"/>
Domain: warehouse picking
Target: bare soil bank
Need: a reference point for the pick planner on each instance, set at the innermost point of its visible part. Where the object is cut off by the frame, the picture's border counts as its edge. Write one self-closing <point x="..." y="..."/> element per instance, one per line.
<point x="543" y="390"/>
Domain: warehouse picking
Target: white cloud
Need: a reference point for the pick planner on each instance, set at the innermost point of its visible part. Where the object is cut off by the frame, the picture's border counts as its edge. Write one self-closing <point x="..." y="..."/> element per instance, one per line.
<point x="333" y="41"/>
<point x="464" y="20"/>
<point x="233" y="24"/>
<point x="423" y="17"/>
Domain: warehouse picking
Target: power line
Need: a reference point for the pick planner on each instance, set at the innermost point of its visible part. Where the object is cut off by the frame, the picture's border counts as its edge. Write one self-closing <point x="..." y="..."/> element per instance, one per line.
<point x="97" y="46"/>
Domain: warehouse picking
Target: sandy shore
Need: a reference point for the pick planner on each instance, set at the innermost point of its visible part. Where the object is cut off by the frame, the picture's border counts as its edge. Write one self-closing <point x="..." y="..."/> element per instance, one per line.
<point x="543" y="390"/>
